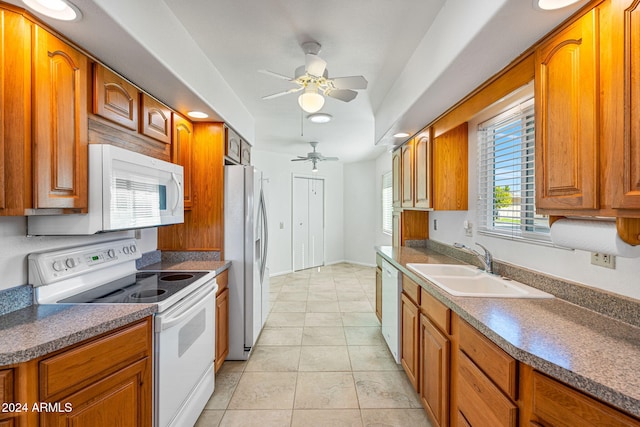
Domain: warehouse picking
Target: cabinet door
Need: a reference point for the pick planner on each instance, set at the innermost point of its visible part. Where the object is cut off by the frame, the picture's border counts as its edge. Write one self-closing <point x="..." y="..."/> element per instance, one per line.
<point x="222" y="328"/>
<point x="114" y="98"/>
<point x="155" y="120"/>
<point x="396" y="172"/>
<point x="121" y="399"/>
<point x="60" y="124"/>
<point x="396" y="233"/>
<point x="407" y="174"/>
<point x="422" y="154"/>
<point x="245" y="152"/>
<point x="232" y="146"/>
<point x="567" y="118"/>
<point x="410" y="337"/>
<point x="625" y="76"/>
<point x="450" y="169"/>
<point x="434" y="372"/>
<point x="379" y="293"/>
<point x="182" y="153"/>
<point x="16" y="192"/>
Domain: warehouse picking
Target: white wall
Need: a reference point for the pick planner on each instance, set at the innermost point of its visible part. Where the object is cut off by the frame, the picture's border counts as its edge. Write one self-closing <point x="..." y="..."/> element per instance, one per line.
<point x="361" y="201"/>
<point x="573" y="265"/>
<point x="279" y="169"/>
<point x="16" y="246"/>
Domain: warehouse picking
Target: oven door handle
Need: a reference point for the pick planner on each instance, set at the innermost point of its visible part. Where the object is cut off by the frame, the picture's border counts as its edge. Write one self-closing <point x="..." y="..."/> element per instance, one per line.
<point x="188" y="306"/>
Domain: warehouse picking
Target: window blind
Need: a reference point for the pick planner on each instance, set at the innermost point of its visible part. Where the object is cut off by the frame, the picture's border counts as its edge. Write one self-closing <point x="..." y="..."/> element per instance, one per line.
<point x="506" y="197"/>
<point x="387" y="203"/>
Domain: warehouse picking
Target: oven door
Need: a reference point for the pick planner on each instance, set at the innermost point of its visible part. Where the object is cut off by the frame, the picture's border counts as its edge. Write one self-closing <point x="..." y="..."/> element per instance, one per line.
<point x="185" y="348"/>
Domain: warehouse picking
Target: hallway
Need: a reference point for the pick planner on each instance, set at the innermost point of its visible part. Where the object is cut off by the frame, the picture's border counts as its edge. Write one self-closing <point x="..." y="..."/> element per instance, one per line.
<point x="320" y="360"/>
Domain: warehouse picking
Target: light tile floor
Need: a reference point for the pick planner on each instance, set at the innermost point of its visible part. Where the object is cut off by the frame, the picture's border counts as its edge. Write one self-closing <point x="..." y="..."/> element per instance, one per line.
<point x="320" y="361"/>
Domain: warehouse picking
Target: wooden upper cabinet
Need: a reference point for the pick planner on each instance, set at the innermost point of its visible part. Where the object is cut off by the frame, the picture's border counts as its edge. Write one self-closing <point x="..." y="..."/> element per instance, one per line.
<point x="566" y="85"/>
<point x="60" y="124"/>
<point x="16" y="188"/>
<point x="396" y="177"/>
<point x="232" y="146"/>
<point x="422" y="155"/>
<point x="625" y="80"/>
<point x="114" y="98"/>
<point x="183" y="153"/>
<point x="155" y="121"/>
<point x="450" y="170"/>
<point x="406" y="157"/>
<point x="245" y="152"/>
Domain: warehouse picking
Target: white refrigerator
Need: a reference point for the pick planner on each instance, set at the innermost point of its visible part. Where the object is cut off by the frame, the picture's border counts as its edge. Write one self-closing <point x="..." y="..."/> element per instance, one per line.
<point x="246" y="242"/>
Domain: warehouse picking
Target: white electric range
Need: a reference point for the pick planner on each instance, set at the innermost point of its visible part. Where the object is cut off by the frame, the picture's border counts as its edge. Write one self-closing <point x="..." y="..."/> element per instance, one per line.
<point x="184" y="340"/>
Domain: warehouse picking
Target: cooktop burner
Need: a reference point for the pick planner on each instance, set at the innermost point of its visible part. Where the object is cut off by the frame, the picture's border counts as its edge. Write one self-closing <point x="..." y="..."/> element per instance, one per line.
<point x="142" y="287"/>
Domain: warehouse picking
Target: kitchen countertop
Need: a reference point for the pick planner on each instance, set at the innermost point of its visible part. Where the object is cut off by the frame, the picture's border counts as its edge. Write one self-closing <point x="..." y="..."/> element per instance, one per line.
<point x="37" y="330"/>
<point x="592" y="352"/>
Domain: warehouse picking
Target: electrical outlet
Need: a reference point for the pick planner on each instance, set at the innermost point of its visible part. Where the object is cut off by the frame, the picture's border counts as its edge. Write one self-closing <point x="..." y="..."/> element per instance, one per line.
<point x="435" y="224"/>
<point x="603" y="260"/>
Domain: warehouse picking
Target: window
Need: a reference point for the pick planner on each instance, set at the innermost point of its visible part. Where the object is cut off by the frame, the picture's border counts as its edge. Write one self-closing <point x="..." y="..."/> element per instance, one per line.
<point x="506" y="199"/>
<point x="387" y="203"/>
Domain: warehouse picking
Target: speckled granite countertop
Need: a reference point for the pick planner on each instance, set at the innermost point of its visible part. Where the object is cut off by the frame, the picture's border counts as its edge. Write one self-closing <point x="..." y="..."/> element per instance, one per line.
<point x="36" y="330"/>
<point x="580" y="347"/>
<point x="190" y="265"/>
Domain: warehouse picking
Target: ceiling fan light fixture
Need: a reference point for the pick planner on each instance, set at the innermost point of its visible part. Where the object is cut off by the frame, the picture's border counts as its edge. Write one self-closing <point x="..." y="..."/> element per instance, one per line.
<point x="315" y="167"/>
<point x="311" y="101"/>
<point x="61" y="10"/>
<point x="320" y="117"/>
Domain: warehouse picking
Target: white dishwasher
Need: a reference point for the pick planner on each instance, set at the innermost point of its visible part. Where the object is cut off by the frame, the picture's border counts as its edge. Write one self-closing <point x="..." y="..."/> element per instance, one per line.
<point x="391" y="289"/>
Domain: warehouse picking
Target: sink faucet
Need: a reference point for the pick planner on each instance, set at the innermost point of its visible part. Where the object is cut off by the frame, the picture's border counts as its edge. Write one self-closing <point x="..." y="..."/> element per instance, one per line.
<point x="486" y="259"/>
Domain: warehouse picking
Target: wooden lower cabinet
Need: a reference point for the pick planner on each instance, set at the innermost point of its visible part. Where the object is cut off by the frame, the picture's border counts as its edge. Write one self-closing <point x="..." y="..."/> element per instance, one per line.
<point x="379" y="293"/>
<point x="434" y="372"/>
<point x="222" y="319"/>
<point x="410" y="336"/>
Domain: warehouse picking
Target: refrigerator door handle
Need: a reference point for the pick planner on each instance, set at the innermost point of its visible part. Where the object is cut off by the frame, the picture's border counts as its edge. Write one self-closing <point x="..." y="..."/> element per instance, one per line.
<point x="265" y="231"/>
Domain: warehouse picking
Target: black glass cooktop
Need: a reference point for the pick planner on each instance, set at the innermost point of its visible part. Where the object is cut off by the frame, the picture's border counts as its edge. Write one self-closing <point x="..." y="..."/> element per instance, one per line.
<point x="143" y="287"/>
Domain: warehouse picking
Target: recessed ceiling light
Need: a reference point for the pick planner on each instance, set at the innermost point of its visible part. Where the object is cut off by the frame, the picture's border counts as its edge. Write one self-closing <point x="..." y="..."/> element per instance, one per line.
<point x="553" y="4"/>
<point x="401" y="135"/>
<point x="56" y="9"/>
<point x="320" y="117"/>
<point x="197" y="115"/>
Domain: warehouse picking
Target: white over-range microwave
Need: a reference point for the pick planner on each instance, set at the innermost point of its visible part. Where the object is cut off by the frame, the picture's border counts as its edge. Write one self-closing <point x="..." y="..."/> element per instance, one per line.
<point x="127" y="190"/>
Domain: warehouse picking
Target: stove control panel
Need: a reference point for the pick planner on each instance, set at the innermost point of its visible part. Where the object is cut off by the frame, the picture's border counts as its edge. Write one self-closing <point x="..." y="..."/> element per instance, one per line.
<point x="50" y="267"/>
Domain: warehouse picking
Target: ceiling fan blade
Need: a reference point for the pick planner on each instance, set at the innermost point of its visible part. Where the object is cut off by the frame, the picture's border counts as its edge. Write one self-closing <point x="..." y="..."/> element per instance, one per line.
<point x="345" y="95"/>
<point x="286" y="92"/>
<point x="315" y="65"/>
<point x="280" y="76"/>
<point x="331" y="159"/>
<point x="300" y="160"/>
<point x="351" y="82"/>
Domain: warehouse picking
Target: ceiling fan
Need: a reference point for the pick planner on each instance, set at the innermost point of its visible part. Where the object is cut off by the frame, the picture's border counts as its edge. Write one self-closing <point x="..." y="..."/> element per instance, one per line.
<point x="313" y="78"/>
<point x="314" y="157"/>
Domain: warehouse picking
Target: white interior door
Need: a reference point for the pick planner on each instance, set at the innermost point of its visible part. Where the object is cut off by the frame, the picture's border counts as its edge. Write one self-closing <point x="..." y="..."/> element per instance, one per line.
<point x="308" y="223"/>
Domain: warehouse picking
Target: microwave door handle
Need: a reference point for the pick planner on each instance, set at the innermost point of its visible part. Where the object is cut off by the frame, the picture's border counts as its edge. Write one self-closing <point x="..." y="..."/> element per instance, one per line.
<point x="174" y="178"/>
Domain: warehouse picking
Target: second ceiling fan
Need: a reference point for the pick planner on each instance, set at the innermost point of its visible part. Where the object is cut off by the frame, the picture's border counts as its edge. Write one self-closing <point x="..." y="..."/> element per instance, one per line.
<point x="313" y="79"/>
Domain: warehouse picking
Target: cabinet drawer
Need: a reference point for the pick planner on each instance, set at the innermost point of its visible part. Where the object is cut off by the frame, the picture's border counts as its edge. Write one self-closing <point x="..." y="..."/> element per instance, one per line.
<point x="495" y="363"/>
<point x="75" y="368"/>
<point x="480" y="401"/>
<point x="557" y="404"/>
<point x="411" y="289"/>
<point x="437" y="312"/>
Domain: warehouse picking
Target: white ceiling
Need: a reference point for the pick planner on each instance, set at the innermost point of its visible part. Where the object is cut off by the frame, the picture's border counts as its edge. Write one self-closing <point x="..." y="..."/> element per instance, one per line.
<point x="419" y="56"/>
